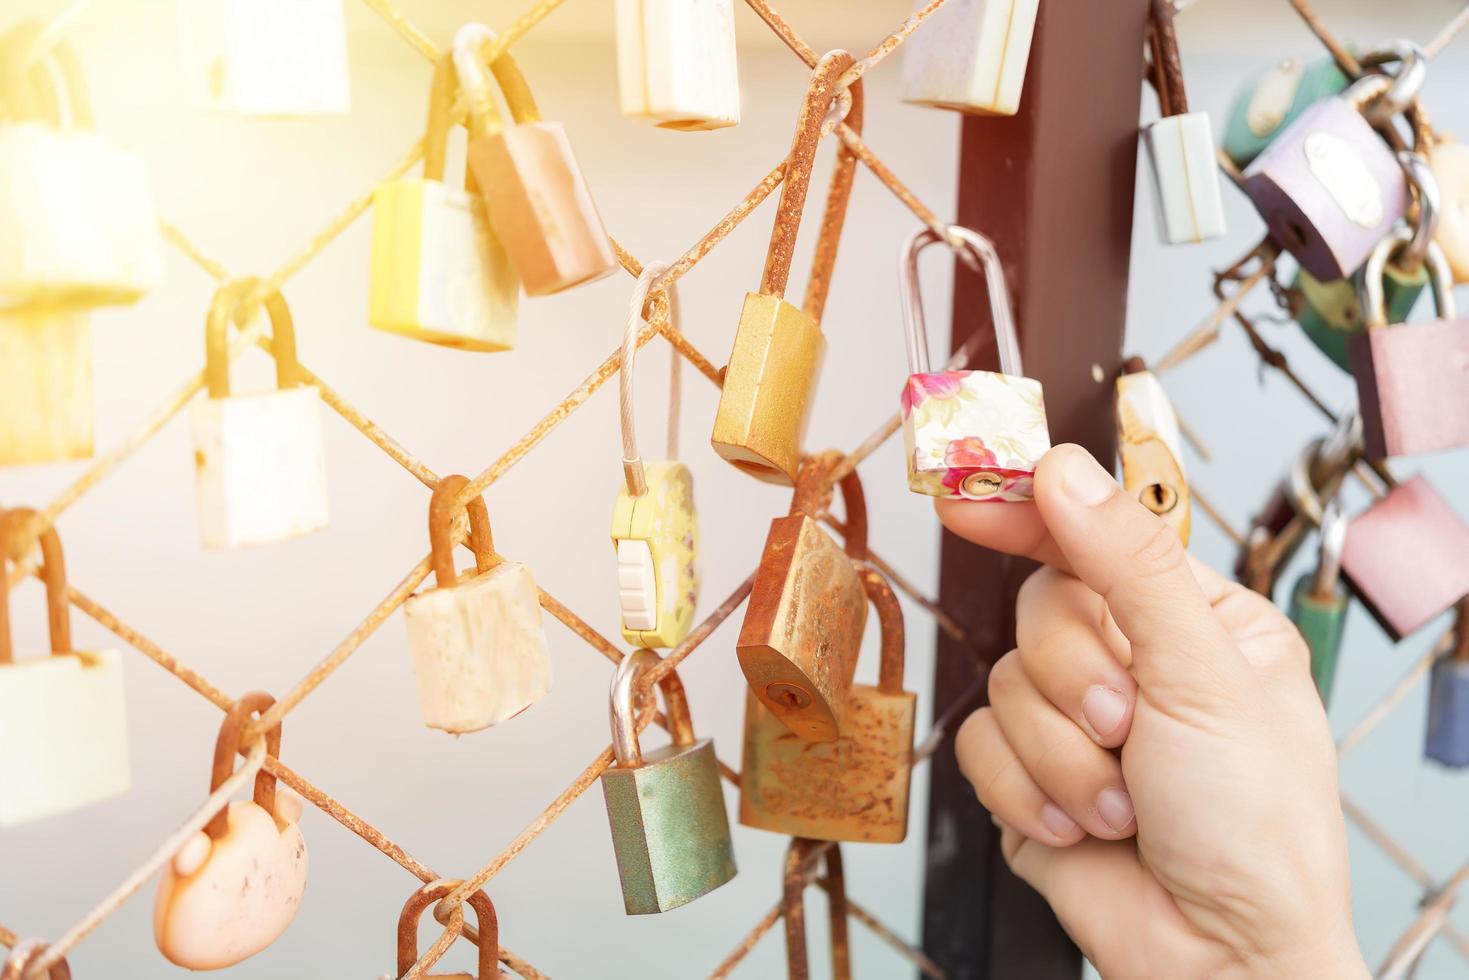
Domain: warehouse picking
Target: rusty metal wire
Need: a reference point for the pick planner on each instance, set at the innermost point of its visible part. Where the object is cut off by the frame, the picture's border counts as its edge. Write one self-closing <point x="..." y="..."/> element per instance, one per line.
<point x="252" y="334"/>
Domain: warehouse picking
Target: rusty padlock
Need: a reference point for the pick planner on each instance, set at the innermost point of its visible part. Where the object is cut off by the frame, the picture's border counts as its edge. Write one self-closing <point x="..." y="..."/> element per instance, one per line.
<point x="538" y="199"/>
<point x="1328" y="186"/>
<point x="854" y="788"/>
<point x="770" y="382"/>
<point x="1407" y="557"/>
<point x="1412" y="379"/>
<point x="487" y="938"/>
<point x="665" y="806"/>
<point x="803" y="625"/>
<point x="796" y="878"/>
<point x="969" y="435"/>
<point x="1151" y="449"/>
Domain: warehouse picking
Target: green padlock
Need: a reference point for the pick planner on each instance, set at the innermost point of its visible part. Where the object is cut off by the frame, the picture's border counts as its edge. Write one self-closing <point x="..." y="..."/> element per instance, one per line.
<point x="1272" y="100"/>
<point x="1332" y="312"/>
<point x="670" y="830"/>
<point x="1318" y="605"/>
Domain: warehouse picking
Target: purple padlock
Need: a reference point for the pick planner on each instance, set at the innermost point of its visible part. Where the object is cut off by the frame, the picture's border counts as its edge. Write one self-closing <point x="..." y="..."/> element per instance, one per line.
<point x="1328" y="186"/>
<point x="1447" y="739"/>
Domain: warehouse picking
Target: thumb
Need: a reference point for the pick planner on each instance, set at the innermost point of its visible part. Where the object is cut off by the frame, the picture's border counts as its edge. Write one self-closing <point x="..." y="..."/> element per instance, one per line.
<point x="1183" y="657"/>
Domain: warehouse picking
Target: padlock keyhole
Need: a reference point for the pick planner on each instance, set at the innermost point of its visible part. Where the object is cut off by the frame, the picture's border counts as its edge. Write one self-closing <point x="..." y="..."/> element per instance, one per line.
<point x="788" y="696"/>
<point x="1159" y="498"/>
<point x="981" y="484"/>
<point x="1296" y="234"/>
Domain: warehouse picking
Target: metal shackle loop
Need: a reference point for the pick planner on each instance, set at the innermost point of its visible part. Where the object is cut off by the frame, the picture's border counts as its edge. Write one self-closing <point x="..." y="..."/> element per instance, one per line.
<point x="797" y="180"/>
<point x="1405" y="83"/>
<point x="813" y="493"/>
<point x="1430" y="205"/>
<point x="1370" y="293"/>
<point x="1167" y="75"/>
<point x="442" y="509"/>
<point x="228" y="305"/>
<point x="444" y="88"/>
<point x="625" y="706"/>
<point x="978" y="252"/>
<point x="469" y="65"/>
<point x="227" y="746"/>
<point x="893" y="639"/>
<point x="846" y="108"/>
<point x="487" y="923"/>
<point x="15" y="542"/>
<point x="1333" y="542"/>
<point x="632" y="461"/>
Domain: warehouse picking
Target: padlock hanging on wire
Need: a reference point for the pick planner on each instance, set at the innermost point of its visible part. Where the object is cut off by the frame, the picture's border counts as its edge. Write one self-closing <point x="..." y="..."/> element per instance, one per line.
<point x="655" y="529"/>
<point x="970" y="56"/>
<point x="1274" y="99"/>
<point x="1447" y="739"/>
<point x="487" y="925"/>
<point x="1318" y="603"/>
<point x="676" y="63"/>
<point x="968" y="435"/>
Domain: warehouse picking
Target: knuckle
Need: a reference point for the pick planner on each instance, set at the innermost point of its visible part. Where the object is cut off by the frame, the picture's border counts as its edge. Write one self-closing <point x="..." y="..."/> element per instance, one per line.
<point x="1159" y="552"/>
<point x="1003" y="675"/>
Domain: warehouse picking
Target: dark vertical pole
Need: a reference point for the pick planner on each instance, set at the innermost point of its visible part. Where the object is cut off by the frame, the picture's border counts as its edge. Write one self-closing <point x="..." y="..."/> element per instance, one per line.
<point x="1053" y="188"/>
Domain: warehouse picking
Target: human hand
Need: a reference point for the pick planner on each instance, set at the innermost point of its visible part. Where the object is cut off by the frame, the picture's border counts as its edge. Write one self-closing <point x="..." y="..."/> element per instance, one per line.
<point x="1154" y="751"/>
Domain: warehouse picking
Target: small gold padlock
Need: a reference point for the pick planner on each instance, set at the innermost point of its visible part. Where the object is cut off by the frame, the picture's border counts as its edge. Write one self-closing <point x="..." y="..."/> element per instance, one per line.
<point x="487" y="938"/>
<point x="770" y="382"/>
<point x="798" y="875"/>
<point x="654" y="528"/>
<point x="803" y="625"/>
<point x="1152" y="453"/>
<point x="854" y="788"/>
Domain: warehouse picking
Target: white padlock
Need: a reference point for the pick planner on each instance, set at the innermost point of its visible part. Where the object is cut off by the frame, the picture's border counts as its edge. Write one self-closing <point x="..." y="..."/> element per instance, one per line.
<point x="259" y="458"/>
<point x="970" y="55"/>
<point x="676" y="63"/>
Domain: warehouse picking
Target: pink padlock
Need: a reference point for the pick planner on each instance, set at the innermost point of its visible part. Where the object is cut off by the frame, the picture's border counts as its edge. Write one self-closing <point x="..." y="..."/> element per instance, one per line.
<point x="970" y="435"/>
<point x="1328" y="186"/>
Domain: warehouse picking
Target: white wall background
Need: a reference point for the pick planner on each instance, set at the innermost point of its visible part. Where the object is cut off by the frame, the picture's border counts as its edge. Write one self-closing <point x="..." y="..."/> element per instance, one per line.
<point x="251" y="193"/>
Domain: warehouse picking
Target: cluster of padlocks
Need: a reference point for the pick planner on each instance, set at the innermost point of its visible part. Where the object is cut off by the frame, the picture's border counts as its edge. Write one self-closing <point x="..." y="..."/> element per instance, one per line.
<point x="824" y="758"/>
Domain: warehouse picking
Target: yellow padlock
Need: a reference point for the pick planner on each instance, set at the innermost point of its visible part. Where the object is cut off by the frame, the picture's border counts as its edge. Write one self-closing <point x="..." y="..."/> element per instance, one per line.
<point x="1151" y="450"/>
<point x="46" y="378"/>
<point x="654" y="526"/>
<point x="770" y="382"/>
<point x="439" y="272"/>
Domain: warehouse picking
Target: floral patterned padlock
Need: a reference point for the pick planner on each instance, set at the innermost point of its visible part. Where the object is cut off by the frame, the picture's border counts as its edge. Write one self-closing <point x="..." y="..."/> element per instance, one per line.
<point x="970" y="435"/>
<point x="1328" y="186"/>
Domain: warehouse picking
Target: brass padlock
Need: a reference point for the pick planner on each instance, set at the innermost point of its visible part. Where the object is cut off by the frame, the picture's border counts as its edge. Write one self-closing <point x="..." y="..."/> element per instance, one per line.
<point x="654" y="527"/>
<point x="666" y="807"/>
<point x="800" y="858"/>
<point x="538" y="199"/>
<point x="803" y="624"/>
<point x="487" y="937"/>
<point x="1152" y="452"/>
<point x="854" y="788"/>
<point x="479" y="649"/>
<point x="770" y="383"/>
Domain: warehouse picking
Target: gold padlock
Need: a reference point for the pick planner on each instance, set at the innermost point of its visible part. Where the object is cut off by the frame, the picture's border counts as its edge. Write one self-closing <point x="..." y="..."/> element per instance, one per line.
<point x="538" y="199"/>
<point x="770" y="382"/>
<point x="854" y="788"/>
<point x="1152" y="452"/>
<point x="803" y="625"/>
<point x="800" y="858"/>
<point x="487" y="937"/>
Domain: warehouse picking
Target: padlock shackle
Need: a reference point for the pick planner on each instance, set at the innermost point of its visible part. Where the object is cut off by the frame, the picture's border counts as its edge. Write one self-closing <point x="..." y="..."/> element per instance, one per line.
<point x="813" y="491"/>
<point x="1430" y="206"/>
<point x="15" y="543"/>
<point x="18" y="963"/>
<point x="838" y="195"/>
<point x="1460" y="651"/>
<point x="443" y="507"/>
<point x="442" y="91"/>
<point x="1167" y="75"/>
<point x="228" y="305"/>
<point x="797" y="180"/>
<point x="227" y="746"/>
<point x="624" y="707"/>
<point x="981" y="255"/>
<point x="1334" y="525"/>
<point x="486" y="920"/>
<point x="893" y="636"/>
<point x="469" y="65"/>
<point x="1404" y="84"/>
<point x="1370" y="292"/>
<point x="633" y="471"/>
<point x="796" y="877"/>
<point x="44" y="86"/>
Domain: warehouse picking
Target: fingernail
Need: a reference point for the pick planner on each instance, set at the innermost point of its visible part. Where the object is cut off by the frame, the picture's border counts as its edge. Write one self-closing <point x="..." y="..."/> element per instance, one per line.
<point x="1103" y="709"/>
<point x="1115" y="806"/>
<point x="1085" y="482"/>
<point x="1056" y="820"/>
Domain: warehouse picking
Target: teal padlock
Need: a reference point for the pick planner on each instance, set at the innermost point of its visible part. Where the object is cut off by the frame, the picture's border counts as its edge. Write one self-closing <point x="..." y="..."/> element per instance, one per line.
<point x="1331" y="313"/>
<point x="1272" y="100"/>
<point x="1318" y="604"/>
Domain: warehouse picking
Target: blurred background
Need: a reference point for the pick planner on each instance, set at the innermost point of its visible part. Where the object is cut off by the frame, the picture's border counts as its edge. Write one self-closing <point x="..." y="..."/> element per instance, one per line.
<point x="250" y="193"/>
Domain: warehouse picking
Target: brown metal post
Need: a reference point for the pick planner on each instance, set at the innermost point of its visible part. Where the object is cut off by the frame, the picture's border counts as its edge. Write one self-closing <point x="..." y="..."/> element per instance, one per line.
<point x="1053" y="188"/>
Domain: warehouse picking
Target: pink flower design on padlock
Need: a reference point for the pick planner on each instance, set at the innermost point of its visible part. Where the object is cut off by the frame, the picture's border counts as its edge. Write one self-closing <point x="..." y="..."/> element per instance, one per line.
<point x="970" y="435"/>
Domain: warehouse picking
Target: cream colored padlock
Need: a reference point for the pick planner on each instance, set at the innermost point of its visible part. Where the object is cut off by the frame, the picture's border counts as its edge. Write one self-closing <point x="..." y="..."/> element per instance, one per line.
<point x="1152" y="451"/>
<point x="259" y="458"/>
<point x="479" y="650"/>
<point x="63" y="717"/>
<point x="676" y="63"/>
<point x="80" y="229"/>
<point x="655" y="529"/>
<point x="439" y="272"/>
<point x="234" y="887"/>
<point x="1449" y="161"/>
<point x="265" y="57"/>
<point x="45" y="386"/>
<point x="970" y="55"/>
